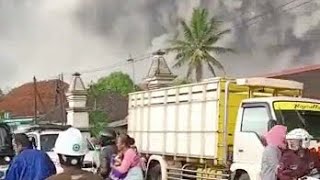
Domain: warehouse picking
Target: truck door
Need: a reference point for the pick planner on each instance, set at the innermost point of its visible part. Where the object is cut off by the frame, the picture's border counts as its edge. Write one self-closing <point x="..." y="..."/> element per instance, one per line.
<point x="252" y="123"/>
<point x="6" y="148"/>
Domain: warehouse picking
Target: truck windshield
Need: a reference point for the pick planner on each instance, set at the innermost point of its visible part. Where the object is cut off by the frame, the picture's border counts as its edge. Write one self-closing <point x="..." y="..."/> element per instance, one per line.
<point x="47" y="141"/>
<point x="299" y="115"/>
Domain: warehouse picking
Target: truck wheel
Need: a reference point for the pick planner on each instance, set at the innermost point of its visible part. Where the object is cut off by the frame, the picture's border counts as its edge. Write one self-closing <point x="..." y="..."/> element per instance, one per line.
<point x="244" y="176"/>
<point x="154" y="173"/>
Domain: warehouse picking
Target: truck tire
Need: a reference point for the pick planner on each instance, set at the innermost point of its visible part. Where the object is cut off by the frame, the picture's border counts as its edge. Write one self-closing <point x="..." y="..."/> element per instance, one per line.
<point x="155" y="173"/>
<point x="244" y="176"/>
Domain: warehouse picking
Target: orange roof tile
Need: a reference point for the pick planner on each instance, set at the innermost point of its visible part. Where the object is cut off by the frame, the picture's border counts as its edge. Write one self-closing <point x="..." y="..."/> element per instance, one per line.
<point x="20" y="101"/>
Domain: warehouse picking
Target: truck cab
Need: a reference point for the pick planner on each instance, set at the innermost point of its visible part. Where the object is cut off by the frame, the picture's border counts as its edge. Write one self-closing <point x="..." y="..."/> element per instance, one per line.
<point x="6" y="149"/>
<point x="258" y="115"/>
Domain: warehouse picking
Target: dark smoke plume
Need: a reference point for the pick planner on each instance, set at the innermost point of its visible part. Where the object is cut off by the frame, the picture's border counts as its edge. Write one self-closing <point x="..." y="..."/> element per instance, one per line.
<point x="46" y="37"/>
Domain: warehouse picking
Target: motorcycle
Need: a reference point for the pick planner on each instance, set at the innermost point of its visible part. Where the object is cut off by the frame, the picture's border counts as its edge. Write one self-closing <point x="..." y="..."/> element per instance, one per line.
<point x="314" y="175"/>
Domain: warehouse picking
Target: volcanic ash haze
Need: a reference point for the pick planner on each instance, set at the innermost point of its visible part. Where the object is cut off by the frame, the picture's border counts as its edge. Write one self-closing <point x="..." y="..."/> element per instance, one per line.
<point x="45" y="37"/>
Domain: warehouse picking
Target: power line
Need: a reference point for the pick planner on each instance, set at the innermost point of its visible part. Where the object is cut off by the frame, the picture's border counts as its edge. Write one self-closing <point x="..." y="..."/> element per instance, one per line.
<point x="299" y="5"/>
<point x="121" y="63"/>
<point x="246" y="22"/>
<point x="105" y="68"/>
<point x="268" y="12"/>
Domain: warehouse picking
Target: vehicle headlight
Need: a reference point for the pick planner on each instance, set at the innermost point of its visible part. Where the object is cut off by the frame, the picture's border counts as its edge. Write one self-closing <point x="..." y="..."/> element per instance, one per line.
<point x="7" y="159"/>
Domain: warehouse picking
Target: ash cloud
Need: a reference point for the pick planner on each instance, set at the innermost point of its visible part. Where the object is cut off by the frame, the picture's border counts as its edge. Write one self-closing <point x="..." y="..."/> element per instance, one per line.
<point x="45" y="37"/>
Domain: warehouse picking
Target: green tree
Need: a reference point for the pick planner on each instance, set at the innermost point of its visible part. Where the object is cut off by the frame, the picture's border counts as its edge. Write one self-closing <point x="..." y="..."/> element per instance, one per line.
<point x="116" y="82"/>
<point x="114" y="85"/>
<point x="197" y="46"/>
<point x="98" y="121"/>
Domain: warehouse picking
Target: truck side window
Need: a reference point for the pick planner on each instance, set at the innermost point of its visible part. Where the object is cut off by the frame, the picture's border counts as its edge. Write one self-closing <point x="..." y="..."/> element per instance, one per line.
<point x="255" y="119"/>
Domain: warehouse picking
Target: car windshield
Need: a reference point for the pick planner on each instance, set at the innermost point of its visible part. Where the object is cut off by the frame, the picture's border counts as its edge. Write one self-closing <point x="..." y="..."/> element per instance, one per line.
<point x="299" y="115"/>
<point x="47" y="141"/>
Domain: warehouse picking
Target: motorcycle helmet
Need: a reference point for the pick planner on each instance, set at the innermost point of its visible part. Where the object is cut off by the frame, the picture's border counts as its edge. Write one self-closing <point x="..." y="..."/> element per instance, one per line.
<point x="298" y="137"/>
<point x="107" y="137"/>
<point x="71" y="147"/>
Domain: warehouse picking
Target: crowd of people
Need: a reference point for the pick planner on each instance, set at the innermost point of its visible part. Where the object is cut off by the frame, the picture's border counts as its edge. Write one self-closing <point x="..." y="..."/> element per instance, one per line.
<point x="287" y="155"/>
<point x="119" y="159"/>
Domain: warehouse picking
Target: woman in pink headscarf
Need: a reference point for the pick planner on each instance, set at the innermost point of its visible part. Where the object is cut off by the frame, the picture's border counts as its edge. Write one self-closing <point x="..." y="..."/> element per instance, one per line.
<point x="275" y="140"/>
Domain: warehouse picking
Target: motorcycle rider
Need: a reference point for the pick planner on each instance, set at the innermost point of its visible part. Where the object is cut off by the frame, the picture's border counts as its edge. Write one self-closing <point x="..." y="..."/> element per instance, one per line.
<point x="297" y="161"/>
<point x="108" y="149"/>
<point x="71" y="148"/>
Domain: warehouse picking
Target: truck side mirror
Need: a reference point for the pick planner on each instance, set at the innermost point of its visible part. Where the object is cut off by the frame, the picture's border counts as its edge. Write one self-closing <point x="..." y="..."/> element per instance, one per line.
<point x="271" y="123"/>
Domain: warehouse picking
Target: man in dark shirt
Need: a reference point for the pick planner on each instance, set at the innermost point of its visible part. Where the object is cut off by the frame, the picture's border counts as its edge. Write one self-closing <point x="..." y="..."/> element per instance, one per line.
<point x="29" y="164"/>
<point x="108" y="149"/>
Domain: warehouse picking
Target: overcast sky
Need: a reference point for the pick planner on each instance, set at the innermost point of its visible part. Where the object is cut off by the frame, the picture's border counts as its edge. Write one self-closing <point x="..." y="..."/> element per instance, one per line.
<point x="46" y="37"/>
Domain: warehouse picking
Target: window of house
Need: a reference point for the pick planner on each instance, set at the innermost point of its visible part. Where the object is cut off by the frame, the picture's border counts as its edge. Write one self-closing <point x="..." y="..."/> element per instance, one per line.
<point x="255" y="119"/>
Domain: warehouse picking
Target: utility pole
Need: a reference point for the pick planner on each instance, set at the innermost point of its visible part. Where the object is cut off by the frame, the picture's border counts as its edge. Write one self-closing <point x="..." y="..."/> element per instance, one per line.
<point x="61" y="99"/>
<point x="132" y="61"/>
<point x="61" y="77"/>
<point x="35" y="99"/>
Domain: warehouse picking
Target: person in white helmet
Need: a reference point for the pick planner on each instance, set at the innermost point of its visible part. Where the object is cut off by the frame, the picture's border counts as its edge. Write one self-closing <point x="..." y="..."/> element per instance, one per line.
<point x="71" y="148"/>
<point x="297" y="161"/>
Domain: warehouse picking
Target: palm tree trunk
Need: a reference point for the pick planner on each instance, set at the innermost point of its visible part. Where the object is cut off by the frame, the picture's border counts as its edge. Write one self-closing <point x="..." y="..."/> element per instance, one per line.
<point x="199" y="72"/>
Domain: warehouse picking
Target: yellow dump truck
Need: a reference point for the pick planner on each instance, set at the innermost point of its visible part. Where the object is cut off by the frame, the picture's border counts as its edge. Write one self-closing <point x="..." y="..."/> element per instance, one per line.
<point x="213" y="129"/>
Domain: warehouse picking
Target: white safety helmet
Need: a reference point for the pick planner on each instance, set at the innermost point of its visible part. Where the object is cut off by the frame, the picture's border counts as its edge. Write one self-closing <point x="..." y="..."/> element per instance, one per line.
<point x="71" y="143"/>
<point x="300" y="134"/>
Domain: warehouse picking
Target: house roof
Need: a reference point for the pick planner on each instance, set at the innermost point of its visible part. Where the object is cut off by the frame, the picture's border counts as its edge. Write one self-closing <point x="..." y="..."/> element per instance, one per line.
<point x="20" y="101"/>
<point x="298" y="70"/>
<point x="119" y="123"/>
<point x="308" y="75"/>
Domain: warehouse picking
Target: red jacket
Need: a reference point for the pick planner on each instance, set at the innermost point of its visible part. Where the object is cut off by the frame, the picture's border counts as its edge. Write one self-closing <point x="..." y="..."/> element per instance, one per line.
<point x="293" y="166"/>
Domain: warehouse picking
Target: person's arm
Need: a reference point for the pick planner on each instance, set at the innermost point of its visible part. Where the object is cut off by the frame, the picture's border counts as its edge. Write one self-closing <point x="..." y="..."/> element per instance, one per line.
<point x="13" y="171"/>
<point x="106" y="155"/>
<point x="51" y="167"/>
<point x="270" y="162"/>
<point x="127" y="161"/>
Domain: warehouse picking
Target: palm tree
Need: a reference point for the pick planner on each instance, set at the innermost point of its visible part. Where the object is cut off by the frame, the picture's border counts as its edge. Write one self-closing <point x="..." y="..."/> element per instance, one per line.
<point x="197" y="45"/>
